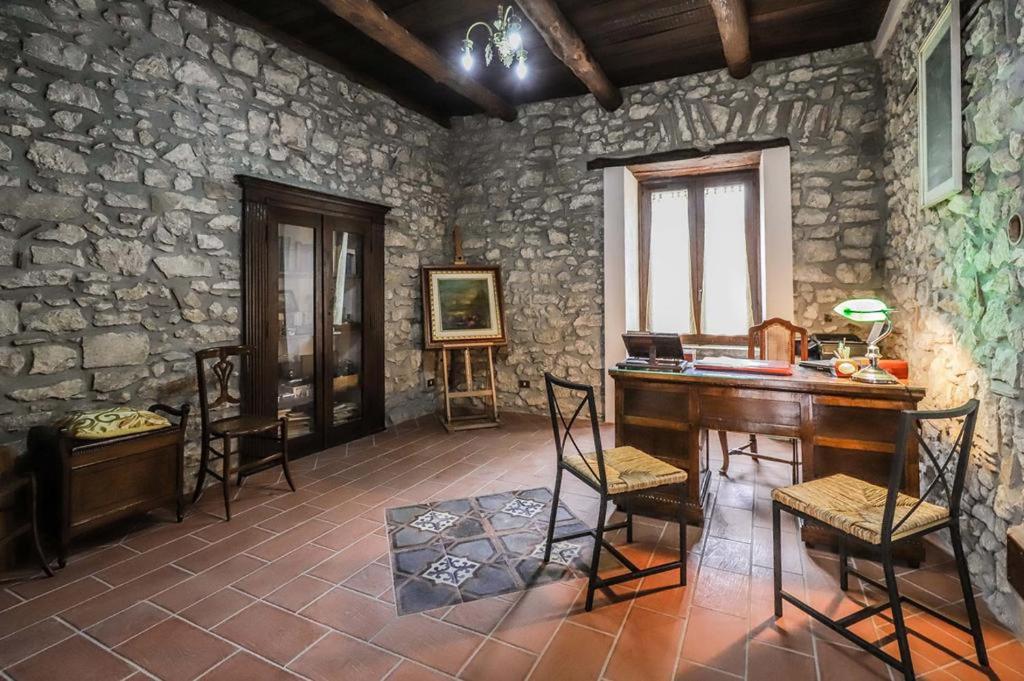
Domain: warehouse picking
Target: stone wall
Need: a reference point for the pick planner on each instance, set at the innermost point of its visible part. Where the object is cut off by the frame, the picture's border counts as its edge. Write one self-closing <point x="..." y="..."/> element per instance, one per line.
<point x="955" y="278"/>
<point x="122" y="125"/>
<point x="526" y="201"/>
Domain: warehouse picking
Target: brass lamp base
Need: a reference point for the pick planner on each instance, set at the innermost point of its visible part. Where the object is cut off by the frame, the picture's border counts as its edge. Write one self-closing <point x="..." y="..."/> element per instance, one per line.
<point x="872" y="374"/>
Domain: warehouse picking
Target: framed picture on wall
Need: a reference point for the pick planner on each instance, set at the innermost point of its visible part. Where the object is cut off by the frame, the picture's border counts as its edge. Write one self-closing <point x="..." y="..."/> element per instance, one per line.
<point x="940" y="148"/>
<point x="462" y="304"/>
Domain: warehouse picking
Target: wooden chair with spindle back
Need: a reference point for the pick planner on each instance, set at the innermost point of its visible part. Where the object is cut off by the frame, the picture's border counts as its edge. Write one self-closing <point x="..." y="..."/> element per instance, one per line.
<point x="221" y="363"/>
<point x="18" y="497"/>
<point x="772" y="339"/>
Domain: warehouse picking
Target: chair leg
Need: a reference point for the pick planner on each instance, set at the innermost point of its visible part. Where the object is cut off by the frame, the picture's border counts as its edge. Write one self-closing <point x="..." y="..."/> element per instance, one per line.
<point x="968" y="591"/>
<point x="682" y="535"/>
<point x="35" y="534"/>
<point x="723" y="440"/>
<point x="204" y="462"/>
<point x="777" y="556"/>
<point x="554" y="514"/>
<point x="753" y="447"/>
<point x="897" y="615"/>
<point x="796" y="462"/>
<point x="598" y="538"/>
<point x="284" y="454"/>
<point x="844" y="564"/>
<point x="226" y="478"/>
<point x="629" y="524"/>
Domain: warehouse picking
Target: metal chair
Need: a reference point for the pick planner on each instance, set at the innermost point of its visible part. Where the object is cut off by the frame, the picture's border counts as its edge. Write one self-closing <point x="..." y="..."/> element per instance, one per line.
<point x="615" y="474"/>
<point x="884" y="518"/>
<point x="773" y="339"/>
<point x="18" y="493"/>
<point x="265" y="428"/>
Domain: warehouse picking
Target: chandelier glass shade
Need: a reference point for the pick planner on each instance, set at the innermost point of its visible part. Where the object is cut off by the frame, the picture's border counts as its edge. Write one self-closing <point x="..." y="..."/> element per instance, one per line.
<point x="504" y="40"/>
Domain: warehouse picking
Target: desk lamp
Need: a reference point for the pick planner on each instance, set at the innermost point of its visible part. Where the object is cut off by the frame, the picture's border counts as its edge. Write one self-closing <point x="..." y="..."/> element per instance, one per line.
<point x="863" y="310"/>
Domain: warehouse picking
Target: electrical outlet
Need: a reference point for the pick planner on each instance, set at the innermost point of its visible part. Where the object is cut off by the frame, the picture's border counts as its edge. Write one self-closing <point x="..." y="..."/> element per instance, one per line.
<point x="431" y="382"/>
<point x="524" y="384"/>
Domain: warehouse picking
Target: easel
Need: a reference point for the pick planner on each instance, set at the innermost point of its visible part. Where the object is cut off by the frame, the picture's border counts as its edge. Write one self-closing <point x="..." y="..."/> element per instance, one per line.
<point x="488" y="418"/>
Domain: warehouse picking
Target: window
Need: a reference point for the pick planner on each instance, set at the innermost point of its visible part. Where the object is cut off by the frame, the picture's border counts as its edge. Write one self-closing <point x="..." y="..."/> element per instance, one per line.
<point x="699" y="257"/>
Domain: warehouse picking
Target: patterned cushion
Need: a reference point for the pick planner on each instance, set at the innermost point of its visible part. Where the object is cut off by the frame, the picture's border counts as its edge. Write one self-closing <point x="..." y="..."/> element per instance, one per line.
<point x="113" y="422"/>
<point x="856" y="507"/>
<point x="627" y="469"/>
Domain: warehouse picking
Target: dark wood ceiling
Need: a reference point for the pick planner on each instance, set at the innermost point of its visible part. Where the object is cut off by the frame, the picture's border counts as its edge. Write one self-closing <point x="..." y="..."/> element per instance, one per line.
<point x="635" y="41"/>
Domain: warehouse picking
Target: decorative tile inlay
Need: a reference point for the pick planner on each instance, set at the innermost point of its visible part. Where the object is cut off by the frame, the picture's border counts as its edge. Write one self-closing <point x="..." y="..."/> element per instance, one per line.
<point x="451" y="570"/>
<point x="434" y="521"/>
<point x="562" y="552"/>
<point x="524" y="508"/>
<point x="460" y="550"/>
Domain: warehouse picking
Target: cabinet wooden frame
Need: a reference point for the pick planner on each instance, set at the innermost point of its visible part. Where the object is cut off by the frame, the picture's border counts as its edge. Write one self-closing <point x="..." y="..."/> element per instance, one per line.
<point x="265" y="204"/>
<point x="695" y="186"/>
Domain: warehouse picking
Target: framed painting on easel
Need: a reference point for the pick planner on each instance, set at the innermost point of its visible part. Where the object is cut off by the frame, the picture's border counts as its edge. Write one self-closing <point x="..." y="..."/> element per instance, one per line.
<point x="462" y="305"/>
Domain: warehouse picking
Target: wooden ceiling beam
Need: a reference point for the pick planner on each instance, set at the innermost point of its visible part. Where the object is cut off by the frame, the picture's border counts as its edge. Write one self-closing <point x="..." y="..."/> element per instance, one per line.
<point x="566" y="44"/>
<point x="366" y="16"/>
<point x="734" y="27"/>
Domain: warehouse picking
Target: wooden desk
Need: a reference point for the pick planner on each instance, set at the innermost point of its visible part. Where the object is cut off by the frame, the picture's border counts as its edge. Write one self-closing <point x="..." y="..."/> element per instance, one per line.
<point x="842" y="426"/>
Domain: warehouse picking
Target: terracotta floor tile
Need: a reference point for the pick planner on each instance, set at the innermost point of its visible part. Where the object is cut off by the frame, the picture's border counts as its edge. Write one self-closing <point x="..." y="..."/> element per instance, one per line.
<point x="31" y="640"/>
<point x="769" y="663"/>
<point x="227" y="548"/>
<point x="536" y="616"/>
<point x="346" y="534"/>
<point x="28" y="613"/>
<point x="113" y="601"/>
<point x="646" y="647"/>
<point x="715" y="639"/>
<point x="732" y="523"/>
<point x="175" y="650"/>
<point x="195" y="589"/>
<point x="351" y="560"/>
<point x="133" y="568"/>
<point x="77" y="568"/>
<point x="727" y="592"/>
<point x="216" y="608"/>
<point x="273" y="576"/>
<point x="298" y="593"/>
<point x="575" y="654"/>
<point x="294" y="538"/>
<point x="429" y="641"/>
<point x="336" y="655"/>
<point x="726" y="554"/>
<point x="271" y="632"/>
<point x="688" y="671"/>
<point x="841" y="663"/>
<point x="245" y="667"/>
<point x="480" y="615"/>
<point x="351" y="613"/>
<point x="410" y="671"/>
<point x="283" y="522"/>
<point x="115" y="630"/>
<point x="75" y="659"/>
<point x="496" y="661"/>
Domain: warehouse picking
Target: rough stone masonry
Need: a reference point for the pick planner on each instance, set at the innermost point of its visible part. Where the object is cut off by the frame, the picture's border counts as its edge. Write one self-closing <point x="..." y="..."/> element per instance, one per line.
<point x="122" y="126"/>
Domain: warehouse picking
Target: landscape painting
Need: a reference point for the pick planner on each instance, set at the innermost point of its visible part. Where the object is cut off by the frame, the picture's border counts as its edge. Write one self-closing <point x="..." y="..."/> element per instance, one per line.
<point x="462" y="305"/>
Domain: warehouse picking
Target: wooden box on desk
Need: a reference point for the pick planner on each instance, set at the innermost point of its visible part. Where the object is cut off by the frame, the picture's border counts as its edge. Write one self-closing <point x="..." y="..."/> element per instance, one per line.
<point x="87" y="484"/>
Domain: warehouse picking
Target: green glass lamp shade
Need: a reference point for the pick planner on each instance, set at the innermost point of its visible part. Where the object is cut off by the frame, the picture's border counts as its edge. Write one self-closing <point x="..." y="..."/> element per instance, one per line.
<point x="864" y="310"/>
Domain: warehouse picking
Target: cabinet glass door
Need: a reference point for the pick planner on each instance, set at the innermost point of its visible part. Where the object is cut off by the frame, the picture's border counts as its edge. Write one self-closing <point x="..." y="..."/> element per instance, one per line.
<point x="345" y="321"/>
<point x="296" y="312"/>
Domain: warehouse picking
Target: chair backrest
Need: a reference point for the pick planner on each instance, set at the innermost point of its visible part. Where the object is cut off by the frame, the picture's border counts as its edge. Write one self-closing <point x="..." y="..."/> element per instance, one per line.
<point x="775" y="339"/>
<point x="577" y="396"/>
<point x="220" y="362"/>
<point x="911" y="423"/>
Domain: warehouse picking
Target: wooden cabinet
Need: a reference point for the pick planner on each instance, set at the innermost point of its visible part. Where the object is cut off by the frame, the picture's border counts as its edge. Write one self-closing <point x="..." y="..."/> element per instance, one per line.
<point x="313" y="299"/>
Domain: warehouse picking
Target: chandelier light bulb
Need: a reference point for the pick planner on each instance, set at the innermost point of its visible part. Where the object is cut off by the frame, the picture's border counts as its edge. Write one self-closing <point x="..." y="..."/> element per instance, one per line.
<point x="521" y="70"/>
<point x="467" y="60"/>
<point x="515" y="40"/>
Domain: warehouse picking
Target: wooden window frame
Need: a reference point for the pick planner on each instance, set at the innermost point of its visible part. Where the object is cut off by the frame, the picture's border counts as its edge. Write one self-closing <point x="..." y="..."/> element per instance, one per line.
<point x="695" y="186"/>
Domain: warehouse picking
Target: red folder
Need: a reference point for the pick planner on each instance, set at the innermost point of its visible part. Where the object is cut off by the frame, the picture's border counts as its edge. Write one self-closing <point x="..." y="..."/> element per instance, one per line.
<point x="746" y="366"/>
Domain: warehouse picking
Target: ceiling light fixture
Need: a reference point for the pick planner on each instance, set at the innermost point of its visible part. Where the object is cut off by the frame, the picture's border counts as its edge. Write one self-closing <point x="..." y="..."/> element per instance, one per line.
<point x="504" y="34"/>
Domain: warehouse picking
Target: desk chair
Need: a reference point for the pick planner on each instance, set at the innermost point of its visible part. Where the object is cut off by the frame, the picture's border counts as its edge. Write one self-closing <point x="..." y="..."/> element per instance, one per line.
<point x="222" y="361"/>
<point x="18" y="496"/>
<point x="615" y="474"/>
<point x="773" y="339"/>
<point x="883" y="518"/>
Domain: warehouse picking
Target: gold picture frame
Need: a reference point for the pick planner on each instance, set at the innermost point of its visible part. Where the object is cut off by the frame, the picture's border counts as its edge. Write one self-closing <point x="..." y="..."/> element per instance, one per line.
<point x="462" y="305"/>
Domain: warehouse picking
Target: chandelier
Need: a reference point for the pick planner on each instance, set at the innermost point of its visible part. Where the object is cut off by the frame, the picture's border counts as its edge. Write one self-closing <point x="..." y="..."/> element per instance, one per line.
<point x="504" y="36"/>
